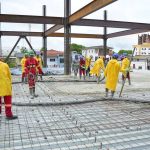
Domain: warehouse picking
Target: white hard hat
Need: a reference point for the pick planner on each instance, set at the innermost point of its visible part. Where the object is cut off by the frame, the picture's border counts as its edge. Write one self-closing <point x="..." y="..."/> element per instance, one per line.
<point x="107" y="56"/>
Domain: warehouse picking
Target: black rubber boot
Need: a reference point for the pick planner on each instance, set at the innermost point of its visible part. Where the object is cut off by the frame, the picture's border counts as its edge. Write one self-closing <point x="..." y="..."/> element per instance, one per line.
<point x="11" y="117"/>
<point x="31" y="93"/>
<point x="112" y="94"/>
<point x="106" y="94"/>
<point x="35" y="95"/>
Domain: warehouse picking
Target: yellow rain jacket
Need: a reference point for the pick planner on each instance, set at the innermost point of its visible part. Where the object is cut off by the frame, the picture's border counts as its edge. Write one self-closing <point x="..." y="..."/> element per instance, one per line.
<point x="125" y="65"/>
<point x="111" y="73"/>
<point x="98" y="65"/>
<point x="39" y="60"/>
<point x="5" y="80"/>
<point x="23" y="60"/>
<point x="87" y="62"/>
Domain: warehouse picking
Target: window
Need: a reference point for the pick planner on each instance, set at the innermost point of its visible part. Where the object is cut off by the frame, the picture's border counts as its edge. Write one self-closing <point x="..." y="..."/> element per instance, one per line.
<point x="61" y="60"/>
<point x="52" y="59"/>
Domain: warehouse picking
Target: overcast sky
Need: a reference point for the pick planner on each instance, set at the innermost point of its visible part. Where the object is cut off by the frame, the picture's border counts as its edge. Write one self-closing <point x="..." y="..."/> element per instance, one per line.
<point x="121" y="10"/>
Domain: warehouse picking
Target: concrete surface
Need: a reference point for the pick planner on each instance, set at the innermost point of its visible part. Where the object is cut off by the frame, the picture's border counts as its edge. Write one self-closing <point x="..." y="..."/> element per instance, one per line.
<point x="72" y="114"/>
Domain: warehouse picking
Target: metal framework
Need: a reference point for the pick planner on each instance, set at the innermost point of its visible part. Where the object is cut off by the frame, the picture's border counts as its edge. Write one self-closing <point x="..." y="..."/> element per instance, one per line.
<point x="69" y="20"/>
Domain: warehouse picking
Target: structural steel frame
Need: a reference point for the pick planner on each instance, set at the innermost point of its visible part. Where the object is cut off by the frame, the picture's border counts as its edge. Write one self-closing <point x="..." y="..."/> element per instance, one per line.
<point x="69" y="20"/>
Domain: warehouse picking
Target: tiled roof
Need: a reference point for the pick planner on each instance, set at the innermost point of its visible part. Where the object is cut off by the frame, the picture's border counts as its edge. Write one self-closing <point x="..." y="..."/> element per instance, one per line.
<point x="54" y="53"/>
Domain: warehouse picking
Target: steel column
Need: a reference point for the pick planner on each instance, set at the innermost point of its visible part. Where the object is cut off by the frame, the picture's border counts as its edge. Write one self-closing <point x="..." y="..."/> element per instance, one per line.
<point x="44" y="39"/>
<point x="67" y="39"/>
<point x="105" y="34"/>
<point x="0" y="36"/>
<point x="12" y="49"/>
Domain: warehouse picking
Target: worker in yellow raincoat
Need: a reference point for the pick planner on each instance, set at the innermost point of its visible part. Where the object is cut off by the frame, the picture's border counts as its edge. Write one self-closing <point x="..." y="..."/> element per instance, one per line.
<point x="111" y="73"/>
<point x="6" y="90"/>
<point x="40" y="64"/>
<point x="98" y="66"/>
<point x="88" y="64"/>
<point x="125" y="65"/>
<point x="23" y="60"/>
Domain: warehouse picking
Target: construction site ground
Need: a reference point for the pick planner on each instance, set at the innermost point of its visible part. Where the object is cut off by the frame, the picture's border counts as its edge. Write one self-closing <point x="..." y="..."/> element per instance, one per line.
<point x="73" y="114"/>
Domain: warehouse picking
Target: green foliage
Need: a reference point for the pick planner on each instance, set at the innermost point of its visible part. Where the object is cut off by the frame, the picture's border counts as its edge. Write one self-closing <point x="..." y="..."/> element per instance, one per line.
<point x="12" y="63"/>
<point x="77" y="48"/>
<point x="23" y="50"/>
<point x="128" y="52"/>
<point x="42" y="49"/>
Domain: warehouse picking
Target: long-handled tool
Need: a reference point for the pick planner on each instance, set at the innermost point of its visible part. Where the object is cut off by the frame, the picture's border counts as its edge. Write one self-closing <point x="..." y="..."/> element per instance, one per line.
<point x="125" y="76"/>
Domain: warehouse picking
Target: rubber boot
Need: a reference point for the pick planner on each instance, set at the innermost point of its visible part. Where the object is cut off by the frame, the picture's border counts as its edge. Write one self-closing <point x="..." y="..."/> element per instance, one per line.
<point x="112" y="94"/>
<point x="31" y="93"/>
<point x="80" y="77"/>
<point x="22" y="80"/>
<point x="26" y="80"/>
<point x="106" y="94"/>
<point x="41" y="77"/>
<point x="123" y="81"/>
<point x="35" y="95"/>
<point x="84" y="77"/>
<point x="129" y="81"/>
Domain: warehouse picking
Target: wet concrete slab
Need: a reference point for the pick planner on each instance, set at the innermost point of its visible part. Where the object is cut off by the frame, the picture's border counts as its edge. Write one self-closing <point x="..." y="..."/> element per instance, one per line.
<point x="73" y="114"/>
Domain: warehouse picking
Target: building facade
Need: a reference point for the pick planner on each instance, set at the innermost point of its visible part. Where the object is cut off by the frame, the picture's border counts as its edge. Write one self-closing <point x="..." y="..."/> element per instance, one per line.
<point x="94" y="51"/>
<point x="143" y="46"/>
<point x="55" y="59"/>
<point x="142" y="53"/>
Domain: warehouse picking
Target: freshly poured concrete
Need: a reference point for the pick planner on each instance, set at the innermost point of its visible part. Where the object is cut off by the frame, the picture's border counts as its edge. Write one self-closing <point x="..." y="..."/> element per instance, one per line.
<point x="70" y="114"/>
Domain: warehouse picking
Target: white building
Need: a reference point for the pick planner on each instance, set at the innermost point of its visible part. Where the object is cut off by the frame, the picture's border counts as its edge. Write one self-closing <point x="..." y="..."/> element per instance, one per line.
<point x="95" y="51"/>
<point x="55" y="58"/>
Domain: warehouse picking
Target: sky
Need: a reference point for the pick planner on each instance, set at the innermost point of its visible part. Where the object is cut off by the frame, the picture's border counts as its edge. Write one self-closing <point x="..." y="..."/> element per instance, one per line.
<point x="121" y="10"/>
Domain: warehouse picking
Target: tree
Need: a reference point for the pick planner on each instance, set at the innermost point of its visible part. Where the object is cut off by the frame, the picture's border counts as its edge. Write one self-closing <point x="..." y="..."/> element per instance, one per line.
<point x="23" y="50"/>
<point x="128" y="52"/>
<point x="77" y="48"/>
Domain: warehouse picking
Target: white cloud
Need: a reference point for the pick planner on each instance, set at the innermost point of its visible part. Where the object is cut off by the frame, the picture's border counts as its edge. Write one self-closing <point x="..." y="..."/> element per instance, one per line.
<point x="121" y="10"/>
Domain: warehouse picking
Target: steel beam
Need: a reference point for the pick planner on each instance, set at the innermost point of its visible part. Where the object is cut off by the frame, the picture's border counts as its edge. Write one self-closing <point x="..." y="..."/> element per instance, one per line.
<point x="31" y="19"/>
<point x="90" y="8"/>
<point x="12" y="49"/>
<point x="126" y="32"/>
<point x="77" y="35"/>
<point x="86" y="10"/>
<point x="29" y="44"/>
<point x="20" y="33"/>
<point x="53" y="29"/>
<point x="111" y="24"/>
<point x="40" y="34"/>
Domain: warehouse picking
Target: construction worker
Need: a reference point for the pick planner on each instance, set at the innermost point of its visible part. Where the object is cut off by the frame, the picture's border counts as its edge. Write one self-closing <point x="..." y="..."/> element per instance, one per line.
<point x="82" y="67"/>
<point x="111" y="74"/>
<point x="6" y="90"/>
<point x="125" y="65"/>
<point x="88" y="64"/>
<point x="30" y="66"/>
<point x="98" y="66"/>
<point x="39" y="60"/>
<point x="23" y="60"/>
<point x="75" y="65"/>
